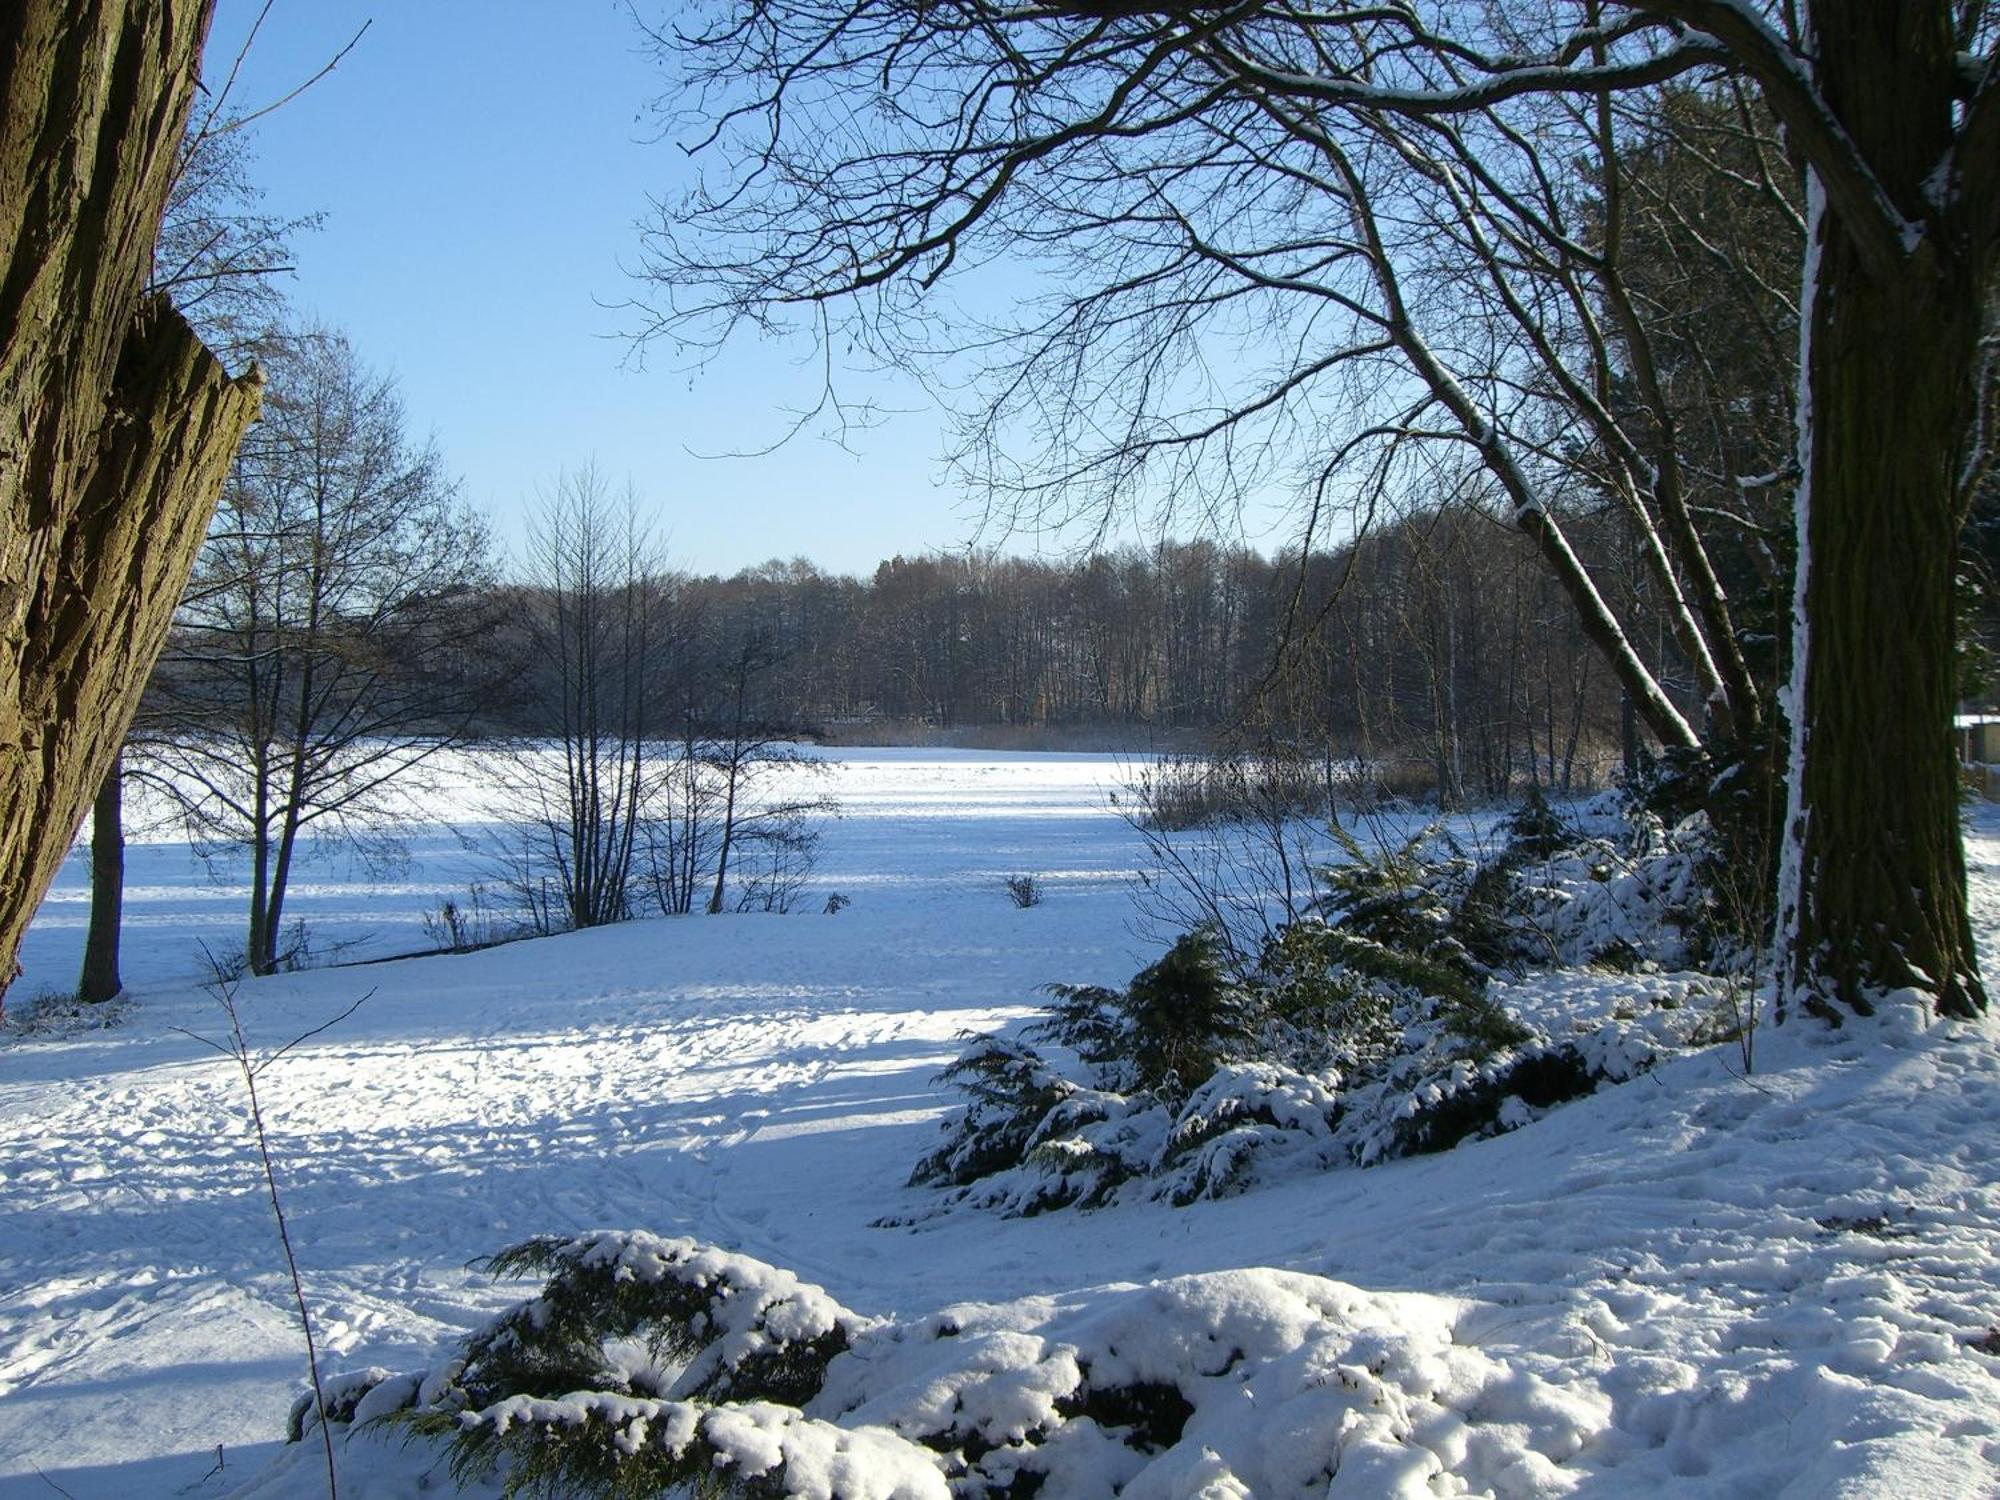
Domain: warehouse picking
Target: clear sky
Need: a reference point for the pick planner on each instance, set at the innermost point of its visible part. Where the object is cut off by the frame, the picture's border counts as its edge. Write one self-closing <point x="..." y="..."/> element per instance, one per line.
<point x="482" y="165"/>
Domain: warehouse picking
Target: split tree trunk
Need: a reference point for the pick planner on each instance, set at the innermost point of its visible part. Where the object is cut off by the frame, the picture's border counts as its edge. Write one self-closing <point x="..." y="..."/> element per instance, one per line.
<point x="116" y="425"/>
<point x="1873" y="894"/>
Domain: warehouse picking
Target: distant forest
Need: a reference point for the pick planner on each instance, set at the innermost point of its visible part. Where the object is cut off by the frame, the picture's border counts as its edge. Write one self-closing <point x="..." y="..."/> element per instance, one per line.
<point x="1437" y="651"/>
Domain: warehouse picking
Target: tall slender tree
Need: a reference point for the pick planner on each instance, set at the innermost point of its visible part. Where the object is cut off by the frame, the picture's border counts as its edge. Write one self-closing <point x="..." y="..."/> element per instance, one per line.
<point x="321" y="655"/>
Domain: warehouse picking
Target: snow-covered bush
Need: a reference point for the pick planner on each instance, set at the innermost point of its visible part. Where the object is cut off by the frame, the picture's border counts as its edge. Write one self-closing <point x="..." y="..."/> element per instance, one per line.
<point x="1371" y="1030"/>
<point x="1405" y="898"/>
<point x="1243" y="1112"/>
<point x="1332" y="996"/>
<point x="1233" y="1383"/>
<point x="1303" y="1045"/>
<point x="1179" y="1019"/>
<point x="1169" y="1093"/>
<point x="608" y="1381"/>
<point x="1613" y="887"/>
<point x="1013" y="1089"/>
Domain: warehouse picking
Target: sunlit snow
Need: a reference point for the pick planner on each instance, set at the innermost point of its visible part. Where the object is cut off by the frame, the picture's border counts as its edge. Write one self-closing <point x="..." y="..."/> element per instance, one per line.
<point x="1694" y="1283"/>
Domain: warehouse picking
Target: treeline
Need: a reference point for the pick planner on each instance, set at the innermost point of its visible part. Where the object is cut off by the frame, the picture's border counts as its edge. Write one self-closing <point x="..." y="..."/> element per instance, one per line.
<point x="1435" y="649"/>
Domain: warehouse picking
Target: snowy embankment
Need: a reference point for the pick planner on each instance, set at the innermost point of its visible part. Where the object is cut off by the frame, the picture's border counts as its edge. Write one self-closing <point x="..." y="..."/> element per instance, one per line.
<point x="1694" y="1283"/>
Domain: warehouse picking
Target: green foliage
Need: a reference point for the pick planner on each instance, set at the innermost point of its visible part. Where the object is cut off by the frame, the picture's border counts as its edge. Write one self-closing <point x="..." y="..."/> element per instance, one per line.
<point x="1186" y="1016"/>
<point x="589" y="1448"/>
<point x="550" y="1389"/>
<point x="1181" y="1017"/>
<point x="1401" y="897"/>
<point x="1013" y="1090"/>
<point x="1325" y="1001"/>
<point x="677" y="1297"/>
<point x="1359" y="997"/>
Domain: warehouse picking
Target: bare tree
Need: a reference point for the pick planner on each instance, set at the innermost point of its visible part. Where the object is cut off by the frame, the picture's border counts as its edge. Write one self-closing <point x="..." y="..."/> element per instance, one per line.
<point x="1308" y="243"/>
<point x="743" y="751"/>
<point x="602" y="627"/>
<point x="729" y="804"/>
<point x="220" y="255"/>
<point x="217" y="261"/>
<point x="116" y="424"/>
<point x="318" y="658"/>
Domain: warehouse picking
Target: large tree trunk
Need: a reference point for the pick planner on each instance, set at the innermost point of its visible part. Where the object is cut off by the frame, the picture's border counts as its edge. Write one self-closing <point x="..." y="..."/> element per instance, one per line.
<point x="116" y="425"/>
<point x="100" y="979"/>
<point x="1873" y="889"/>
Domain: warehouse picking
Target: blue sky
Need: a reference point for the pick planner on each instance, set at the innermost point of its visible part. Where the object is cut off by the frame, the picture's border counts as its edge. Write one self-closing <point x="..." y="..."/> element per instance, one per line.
<point x="482" y="165"/>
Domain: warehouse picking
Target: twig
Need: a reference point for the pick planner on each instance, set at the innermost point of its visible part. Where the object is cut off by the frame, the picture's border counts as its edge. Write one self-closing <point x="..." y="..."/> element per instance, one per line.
<point x="308" y="1036"/>
<point x="279" y="103"/>
<point x="223" y="987"/>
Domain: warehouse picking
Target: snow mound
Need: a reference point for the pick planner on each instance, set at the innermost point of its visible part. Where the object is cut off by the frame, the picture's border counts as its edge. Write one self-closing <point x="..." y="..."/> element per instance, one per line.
<point x="1251" y="1382"/>
<point x="1248" y="1382"/>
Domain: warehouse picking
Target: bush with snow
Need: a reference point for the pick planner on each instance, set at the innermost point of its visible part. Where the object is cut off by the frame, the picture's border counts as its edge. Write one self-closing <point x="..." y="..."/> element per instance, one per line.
<point x="1234" y="1383"/>
<point x="1370" y="1031"/>
<point x="610" y="1379"/>
<point x="1613" y="886"/>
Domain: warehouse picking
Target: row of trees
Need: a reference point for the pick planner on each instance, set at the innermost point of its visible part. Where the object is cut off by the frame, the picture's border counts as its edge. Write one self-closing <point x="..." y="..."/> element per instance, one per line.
<point x="346" y="623"/>
<point x="344" y="626"/>
<point x="1435" y="641"/>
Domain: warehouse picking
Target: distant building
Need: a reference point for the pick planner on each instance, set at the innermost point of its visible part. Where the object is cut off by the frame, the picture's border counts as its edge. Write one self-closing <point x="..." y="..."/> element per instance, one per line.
<point x="1978" y="739"/>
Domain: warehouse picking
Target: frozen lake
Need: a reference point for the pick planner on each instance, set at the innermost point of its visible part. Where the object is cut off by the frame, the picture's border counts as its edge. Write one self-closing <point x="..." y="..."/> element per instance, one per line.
<point x="906" y="823"/>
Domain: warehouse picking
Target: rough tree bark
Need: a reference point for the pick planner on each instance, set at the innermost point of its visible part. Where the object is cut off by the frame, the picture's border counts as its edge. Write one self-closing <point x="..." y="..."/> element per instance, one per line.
<point x="1874" y="886"/>
<point x="116" y="424"/>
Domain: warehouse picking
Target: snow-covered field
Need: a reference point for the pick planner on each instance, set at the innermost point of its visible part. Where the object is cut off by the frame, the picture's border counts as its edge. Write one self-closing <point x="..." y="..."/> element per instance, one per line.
<point x="1695" y="1283"/>
<point x="912" y="819"/>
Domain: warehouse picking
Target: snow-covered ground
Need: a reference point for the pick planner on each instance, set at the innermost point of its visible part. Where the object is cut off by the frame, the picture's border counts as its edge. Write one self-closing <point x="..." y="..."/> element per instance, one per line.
<point x="1696" y="1283"/>
<point x="910" y="818"/>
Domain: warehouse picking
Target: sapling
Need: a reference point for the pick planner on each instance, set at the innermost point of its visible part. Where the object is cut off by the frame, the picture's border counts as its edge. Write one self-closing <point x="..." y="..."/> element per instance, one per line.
<point x="224" y="981"/>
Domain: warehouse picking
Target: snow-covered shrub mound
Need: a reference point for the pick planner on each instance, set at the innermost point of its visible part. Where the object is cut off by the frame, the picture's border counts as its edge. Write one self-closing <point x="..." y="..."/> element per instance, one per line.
<point x="1096" y="1146"/>
<point x="1598" y="902"/>
<point x="611" y="1370"/>
<point x="1259" y="1121"/>
<point x="1236" y="1383"/>
<point x="1611" y="885"/>
<point x="1394" y="1024"/>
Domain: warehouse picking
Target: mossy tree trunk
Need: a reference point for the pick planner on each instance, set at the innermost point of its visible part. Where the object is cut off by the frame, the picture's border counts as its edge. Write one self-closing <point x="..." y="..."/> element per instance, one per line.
<point x="1873" y="888"/>
<point x="116" y="424"/>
